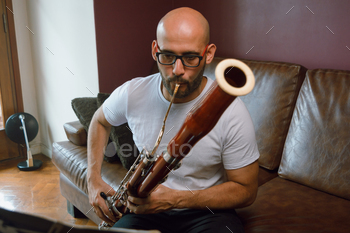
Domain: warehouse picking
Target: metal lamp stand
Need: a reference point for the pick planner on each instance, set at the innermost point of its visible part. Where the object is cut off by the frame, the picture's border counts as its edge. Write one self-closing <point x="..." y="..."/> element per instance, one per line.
<point x="30" y="164"/>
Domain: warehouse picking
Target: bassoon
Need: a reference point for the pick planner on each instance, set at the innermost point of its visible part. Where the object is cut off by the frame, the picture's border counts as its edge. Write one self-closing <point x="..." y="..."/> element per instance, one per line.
<point x="233" y="78"/>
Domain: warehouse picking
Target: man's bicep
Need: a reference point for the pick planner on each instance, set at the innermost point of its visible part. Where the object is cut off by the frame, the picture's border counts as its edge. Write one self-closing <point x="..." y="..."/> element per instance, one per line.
<point x="245" y="176"/>
<point x="99" y="116"/>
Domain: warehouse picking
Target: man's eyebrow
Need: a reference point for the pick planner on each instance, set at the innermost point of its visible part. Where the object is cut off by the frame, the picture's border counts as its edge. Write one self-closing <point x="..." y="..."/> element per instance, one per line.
<point x="191" y="52"/>
<point x="185" y="53"/>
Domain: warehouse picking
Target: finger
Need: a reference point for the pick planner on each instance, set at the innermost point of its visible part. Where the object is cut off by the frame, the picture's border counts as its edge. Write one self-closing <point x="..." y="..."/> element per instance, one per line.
<point x="110" y="192"/>
<point x="131" y="199"/>
<point x="136" y="208"/>
<point x="131" y="207"/>
<point x="101" y="215"/>
<point x="137" y="200"/>
<point x="107" y="212"/>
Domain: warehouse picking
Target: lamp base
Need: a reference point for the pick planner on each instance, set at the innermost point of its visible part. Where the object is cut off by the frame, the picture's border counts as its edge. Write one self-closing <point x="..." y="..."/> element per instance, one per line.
<point x="23" y="166"/>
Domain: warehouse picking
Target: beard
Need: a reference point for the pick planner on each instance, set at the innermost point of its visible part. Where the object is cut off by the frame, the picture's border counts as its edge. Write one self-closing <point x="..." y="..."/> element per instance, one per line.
<point x="191" y="86"/>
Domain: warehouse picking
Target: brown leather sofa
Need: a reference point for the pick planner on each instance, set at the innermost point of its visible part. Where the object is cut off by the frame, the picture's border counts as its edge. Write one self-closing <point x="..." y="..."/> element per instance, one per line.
<point x="302" y="123"/>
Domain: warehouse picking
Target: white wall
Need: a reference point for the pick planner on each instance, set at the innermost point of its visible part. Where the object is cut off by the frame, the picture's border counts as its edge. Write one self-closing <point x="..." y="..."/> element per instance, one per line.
<point x="58" y="61"/>
<point x="26" y="66"/>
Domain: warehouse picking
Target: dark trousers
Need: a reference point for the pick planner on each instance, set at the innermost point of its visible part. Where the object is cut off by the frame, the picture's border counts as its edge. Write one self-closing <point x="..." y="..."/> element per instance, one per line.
<point x="184" y="221"/>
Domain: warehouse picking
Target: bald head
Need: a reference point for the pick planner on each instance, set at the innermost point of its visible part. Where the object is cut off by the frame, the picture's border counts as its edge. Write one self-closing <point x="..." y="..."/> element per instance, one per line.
<point x="183" y="25"/>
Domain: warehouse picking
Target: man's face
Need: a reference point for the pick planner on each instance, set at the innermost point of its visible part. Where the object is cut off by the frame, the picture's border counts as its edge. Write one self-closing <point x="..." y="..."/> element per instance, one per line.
<point x="189" y="78"/>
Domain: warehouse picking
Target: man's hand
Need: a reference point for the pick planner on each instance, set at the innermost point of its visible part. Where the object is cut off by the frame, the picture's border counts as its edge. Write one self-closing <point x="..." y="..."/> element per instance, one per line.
<point x="95" y="187"/>
<point x="161" y="199"/>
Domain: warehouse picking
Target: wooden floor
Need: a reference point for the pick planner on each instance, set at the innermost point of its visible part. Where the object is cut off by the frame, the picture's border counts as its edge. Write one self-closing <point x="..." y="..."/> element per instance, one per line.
<point x="35" y="192"/>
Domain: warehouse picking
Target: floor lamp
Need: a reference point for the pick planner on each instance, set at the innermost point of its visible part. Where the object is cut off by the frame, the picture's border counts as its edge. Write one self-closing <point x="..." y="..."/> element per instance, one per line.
<point x="23" y="128"/>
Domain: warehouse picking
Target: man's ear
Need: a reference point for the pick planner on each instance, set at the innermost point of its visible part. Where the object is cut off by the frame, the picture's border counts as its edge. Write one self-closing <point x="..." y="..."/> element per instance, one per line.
<point x="210" y="53"/>
<point x="154" y="50"/>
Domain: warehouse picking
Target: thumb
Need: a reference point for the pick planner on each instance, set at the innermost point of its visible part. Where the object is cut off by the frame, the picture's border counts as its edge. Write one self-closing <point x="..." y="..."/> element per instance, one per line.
<point x="110" y="191"/>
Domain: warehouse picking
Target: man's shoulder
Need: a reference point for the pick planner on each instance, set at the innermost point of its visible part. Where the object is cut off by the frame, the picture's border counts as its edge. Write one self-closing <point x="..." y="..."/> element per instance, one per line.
<point x="144" y="80"/>
<point x="139" y="84"/>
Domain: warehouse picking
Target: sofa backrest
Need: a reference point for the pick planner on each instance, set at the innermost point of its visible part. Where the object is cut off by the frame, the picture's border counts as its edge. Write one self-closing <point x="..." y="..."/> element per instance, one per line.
<point x="270" y="104"/>
<point x="317" y="148"/>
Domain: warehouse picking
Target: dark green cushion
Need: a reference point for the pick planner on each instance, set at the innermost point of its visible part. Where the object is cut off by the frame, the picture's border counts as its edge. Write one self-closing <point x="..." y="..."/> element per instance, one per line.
<point x="101" y="97"/>
<point x="84" y="109"/>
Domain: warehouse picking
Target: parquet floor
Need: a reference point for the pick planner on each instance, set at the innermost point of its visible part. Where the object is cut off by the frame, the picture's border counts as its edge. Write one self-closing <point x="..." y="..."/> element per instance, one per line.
<point x="35" y="192"/>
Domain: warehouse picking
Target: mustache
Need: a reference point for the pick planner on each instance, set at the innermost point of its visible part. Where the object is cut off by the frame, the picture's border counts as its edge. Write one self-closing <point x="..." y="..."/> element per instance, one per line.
<point x="177" y="79"/>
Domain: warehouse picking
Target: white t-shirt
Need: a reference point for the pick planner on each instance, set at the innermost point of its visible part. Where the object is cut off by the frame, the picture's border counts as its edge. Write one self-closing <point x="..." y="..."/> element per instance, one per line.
<point x="229" y="145"/>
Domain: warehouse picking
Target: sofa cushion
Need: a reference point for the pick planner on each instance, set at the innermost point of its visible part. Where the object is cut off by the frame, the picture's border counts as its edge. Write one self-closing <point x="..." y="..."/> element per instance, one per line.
<point x="285" y="206"/>
<point x="71" y="160"/>
<point x="76" y="133"/>
<point x="317" y="149"/>
<point x="270" y="104"/>
<point x="266" y="175"/>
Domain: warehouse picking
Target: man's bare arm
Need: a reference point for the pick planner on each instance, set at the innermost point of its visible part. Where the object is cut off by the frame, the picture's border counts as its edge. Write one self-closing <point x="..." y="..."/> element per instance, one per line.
<point x="98" y="134"/>
<point x="99" y="131"/>
<point x="239" y="191"/>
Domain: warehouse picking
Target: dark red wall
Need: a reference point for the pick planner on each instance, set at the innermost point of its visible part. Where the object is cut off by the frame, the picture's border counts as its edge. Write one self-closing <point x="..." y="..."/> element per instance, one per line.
<point x="124" y="33"/>
<point x="299" y="34"/>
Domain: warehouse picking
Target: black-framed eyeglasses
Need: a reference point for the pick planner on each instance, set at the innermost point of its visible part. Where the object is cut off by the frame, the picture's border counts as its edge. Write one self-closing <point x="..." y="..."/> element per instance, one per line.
<point x="188" y="60"/>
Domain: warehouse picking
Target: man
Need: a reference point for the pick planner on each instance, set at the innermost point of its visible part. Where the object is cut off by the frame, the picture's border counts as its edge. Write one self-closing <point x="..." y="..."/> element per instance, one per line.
<point x="219" y="174"/>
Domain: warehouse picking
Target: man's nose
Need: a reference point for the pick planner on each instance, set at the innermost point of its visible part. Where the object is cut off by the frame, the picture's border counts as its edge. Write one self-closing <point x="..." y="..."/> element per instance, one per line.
<point x="178" y="67"/>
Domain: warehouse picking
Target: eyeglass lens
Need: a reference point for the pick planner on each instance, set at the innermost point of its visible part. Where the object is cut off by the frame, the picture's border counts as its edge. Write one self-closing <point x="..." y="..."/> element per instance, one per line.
<point x="188" y="60"/>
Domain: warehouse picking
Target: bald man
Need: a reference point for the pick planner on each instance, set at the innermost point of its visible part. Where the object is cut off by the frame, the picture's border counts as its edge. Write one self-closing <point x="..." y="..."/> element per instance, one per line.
<point x="219" y="174"/>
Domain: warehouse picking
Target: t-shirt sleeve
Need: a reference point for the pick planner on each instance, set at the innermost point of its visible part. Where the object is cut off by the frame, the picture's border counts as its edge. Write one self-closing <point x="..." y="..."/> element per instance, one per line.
<point x="240" y="148"/>
<point x="115" y="106"/>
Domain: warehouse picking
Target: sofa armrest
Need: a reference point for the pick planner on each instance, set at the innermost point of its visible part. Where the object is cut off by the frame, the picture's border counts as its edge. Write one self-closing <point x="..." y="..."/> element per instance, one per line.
<point x="76" y="133"/>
